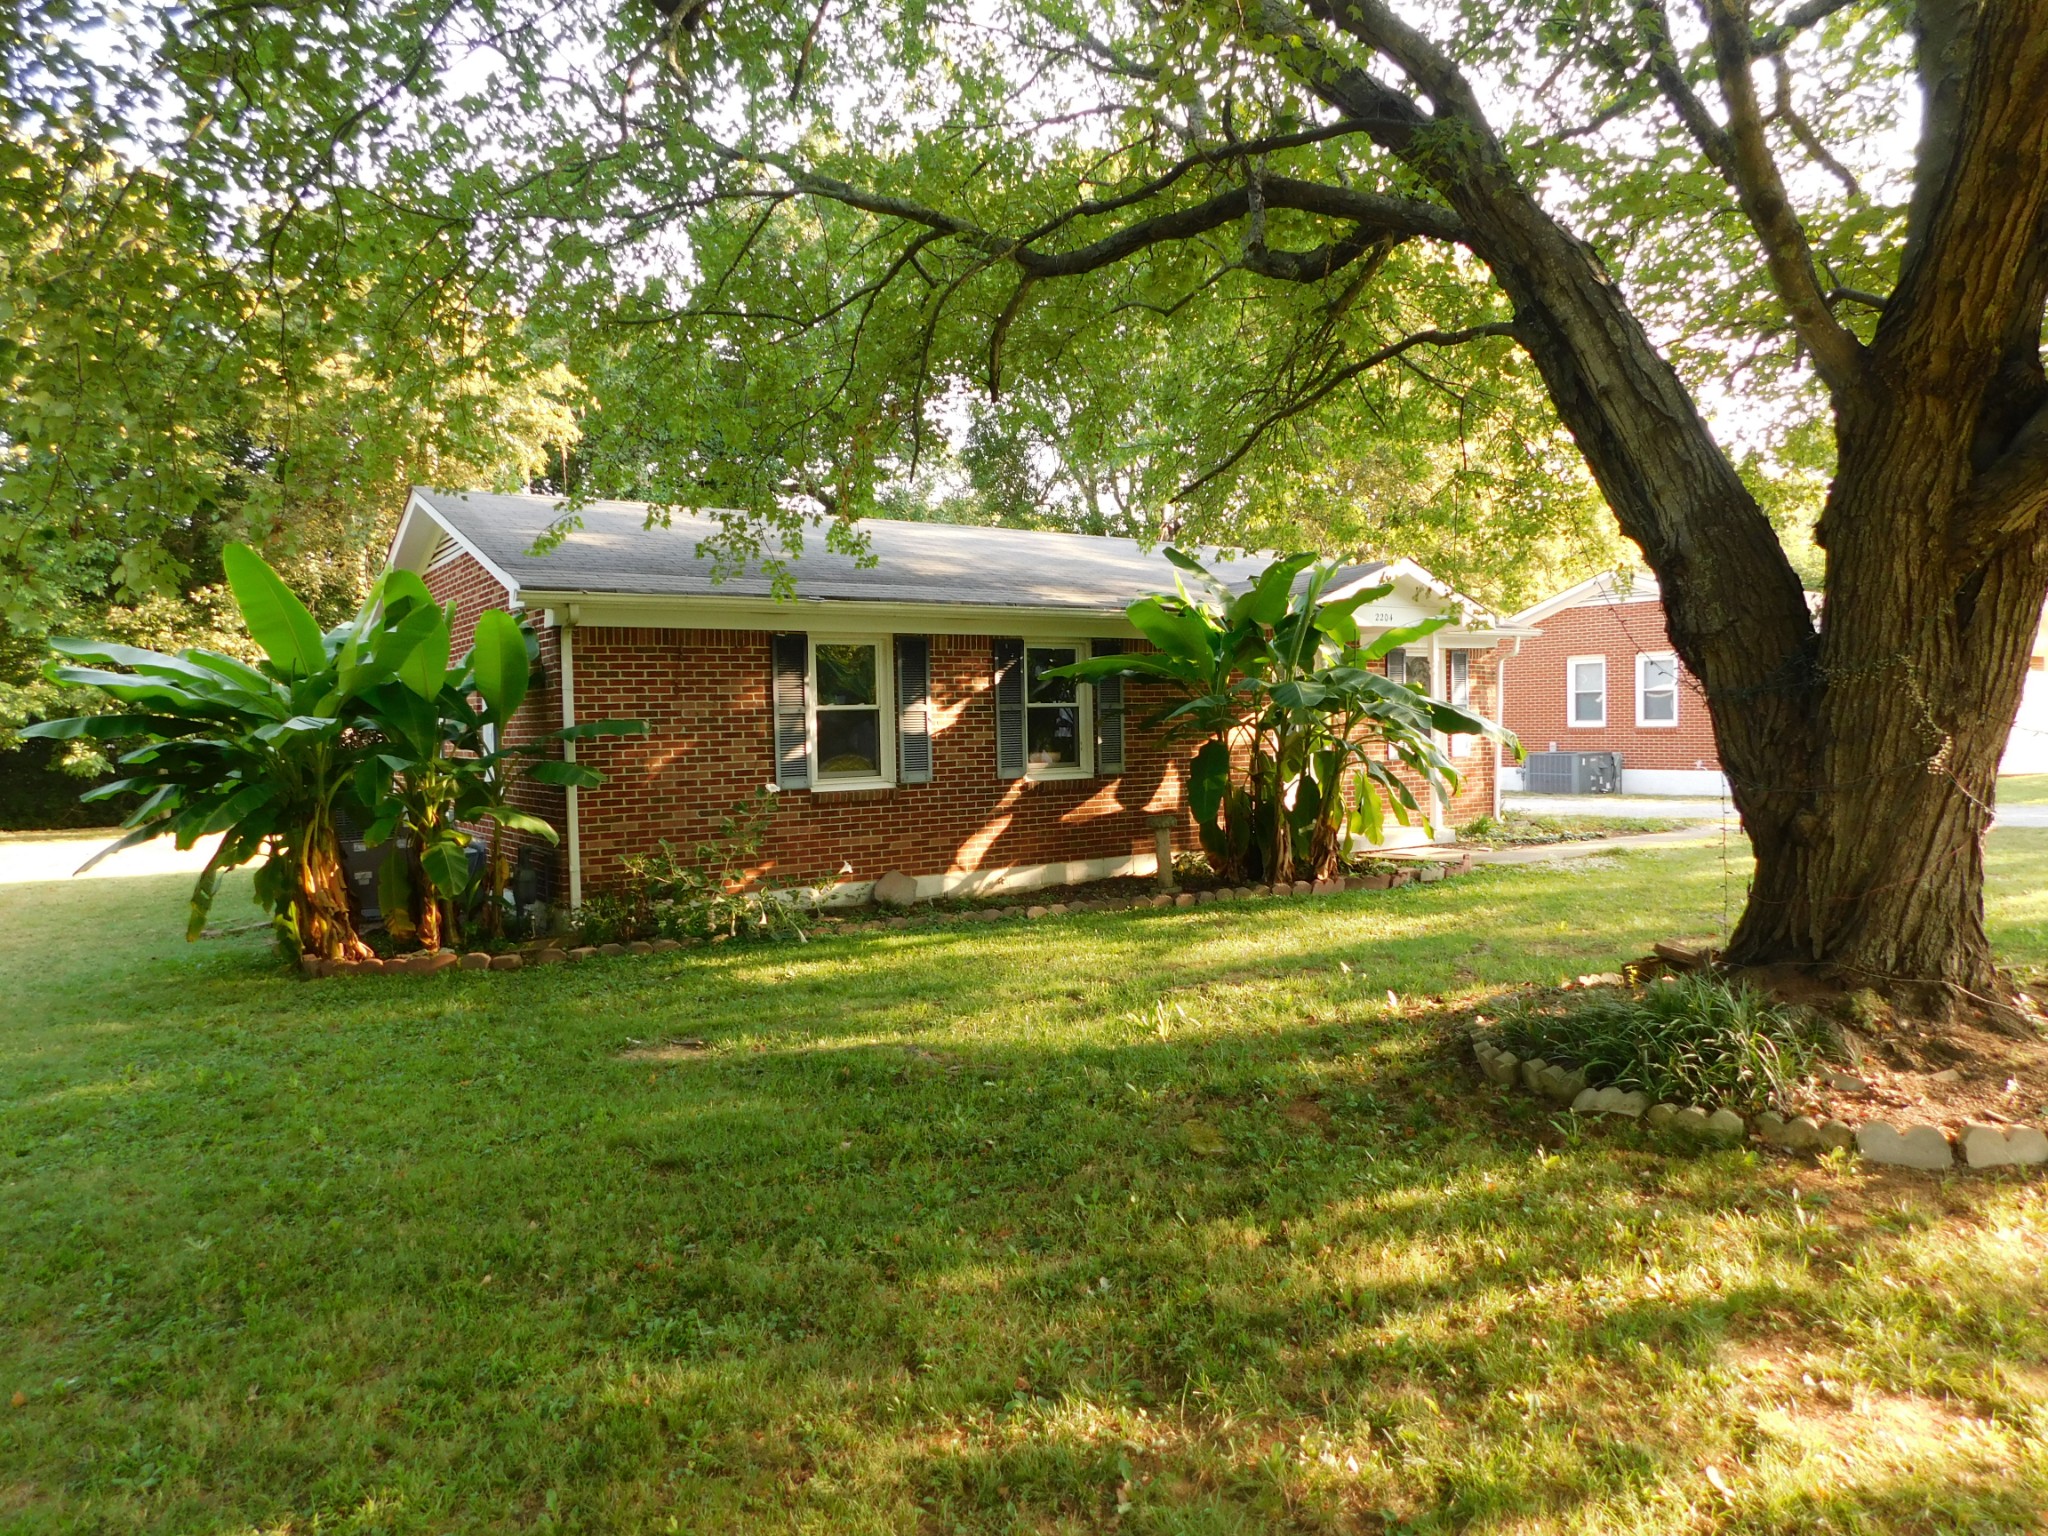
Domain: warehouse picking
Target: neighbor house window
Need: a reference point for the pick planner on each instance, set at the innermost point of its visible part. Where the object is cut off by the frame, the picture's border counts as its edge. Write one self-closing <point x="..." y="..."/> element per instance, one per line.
<point x="1588" y="683"/>
<point x="1458" y="669"/>
<point x="1056" y="737"/>
<point x="849" y="692"/>
<point x="1657" y="690"/>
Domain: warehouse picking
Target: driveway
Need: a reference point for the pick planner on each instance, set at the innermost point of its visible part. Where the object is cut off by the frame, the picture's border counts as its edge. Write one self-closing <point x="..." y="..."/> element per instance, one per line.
<point x="56" y="856"/>
<point x="1675" y="808"/>
<point x="1647" y="807"/>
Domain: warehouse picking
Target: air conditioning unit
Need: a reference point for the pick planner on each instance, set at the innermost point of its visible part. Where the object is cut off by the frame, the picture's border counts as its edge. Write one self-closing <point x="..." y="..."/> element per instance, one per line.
<point x="1572" y="773"/>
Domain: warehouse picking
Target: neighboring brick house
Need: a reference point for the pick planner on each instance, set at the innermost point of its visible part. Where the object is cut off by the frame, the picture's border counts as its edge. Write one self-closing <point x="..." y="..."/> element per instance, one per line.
<point x="897" y="706"/>
<point x="1599" y="675"/>
<point x="2026" y="749"/>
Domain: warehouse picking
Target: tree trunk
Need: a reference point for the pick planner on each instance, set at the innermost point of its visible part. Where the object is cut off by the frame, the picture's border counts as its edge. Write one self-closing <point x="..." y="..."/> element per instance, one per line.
<point x="1862" y="753"/>
<point x="1878" y="876"/>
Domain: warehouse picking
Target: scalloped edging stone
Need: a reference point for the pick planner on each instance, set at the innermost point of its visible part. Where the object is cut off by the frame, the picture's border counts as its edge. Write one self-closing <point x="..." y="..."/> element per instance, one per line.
<point x="1917" y="1146"/>
<point x="2003" y="1146"/>
<point x="1925" y="1147"/>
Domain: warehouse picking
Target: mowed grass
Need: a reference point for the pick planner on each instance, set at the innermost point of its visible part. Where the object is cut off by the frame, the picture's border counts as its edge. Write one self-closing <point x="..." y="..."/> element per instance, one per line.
<point x="2023" y="789"/>
<point x="1186" y="1221"/>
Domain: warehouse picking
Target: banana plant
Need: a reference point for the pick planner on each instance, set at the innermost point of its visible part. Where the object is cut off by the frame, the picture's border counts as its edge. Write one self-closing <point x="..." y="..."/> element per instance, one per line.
<point x="1276" y="684"/>
<point x="261" y="754"/>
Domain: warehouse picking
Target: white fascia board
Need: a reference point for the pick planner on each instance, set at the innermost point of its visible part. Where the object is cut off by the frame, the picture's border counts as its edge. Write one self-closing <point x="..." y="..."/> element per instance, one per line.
<point x="411" y="549"/>
<point x="1396" y="572"/>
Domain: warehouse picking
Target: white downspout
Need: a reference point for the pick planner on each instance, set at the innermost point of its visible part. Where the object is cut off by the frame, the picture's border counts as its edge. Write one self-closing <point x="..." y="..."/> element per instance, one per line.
<point x="567" y="626"/>
<point x="1500" y="715"/>
<point x="1439" y="813"/>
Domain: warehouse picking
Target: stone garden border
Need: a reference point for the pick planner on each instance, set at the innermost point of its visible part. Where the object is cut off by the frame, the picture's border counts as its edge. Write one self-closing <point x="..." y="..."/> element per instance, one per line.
<point x="1926" y="1147"/>
<point x="1416" y="872"/>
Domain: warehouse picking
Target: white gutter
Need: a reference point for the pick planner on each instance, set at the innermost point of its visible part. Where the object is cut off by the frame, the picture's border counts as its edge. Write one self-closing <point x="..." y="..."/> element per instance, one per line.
<point x="567" y="627"/>
<point x="1500" y="715"/>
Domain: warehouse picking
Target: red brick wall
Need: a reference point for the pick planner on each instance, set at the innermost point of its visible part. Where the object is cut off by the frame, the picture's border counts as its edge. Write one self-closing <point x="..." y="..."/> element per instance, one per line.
<point x="1538" y="711"/>
<point x="704" y="696"/>
<point x="1473" y="757"/>
<point x="473" y="589"/>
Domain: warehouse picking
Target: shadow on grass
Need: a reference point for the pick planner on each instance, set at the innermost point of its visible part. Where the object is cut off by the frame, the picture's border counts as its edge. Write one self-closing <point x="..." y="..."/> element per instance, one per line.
<point x="984" y="1228"/>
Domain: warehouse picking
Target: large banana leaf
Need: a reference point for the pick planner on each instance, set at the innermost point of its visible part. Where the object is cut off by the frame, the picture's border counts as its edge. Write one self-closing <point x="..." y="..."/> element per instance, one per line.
<point x="499" y="664"/>
<point x="276" y="619"/>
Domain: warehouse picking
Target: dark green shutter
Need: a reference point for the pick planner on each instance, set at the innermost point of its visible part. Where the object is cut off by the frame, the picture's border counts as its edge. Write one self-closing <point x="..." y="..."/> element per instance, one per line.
<point x="1008" y="657"/>
<point x="792" y="728"/>
<point x="1109" y="714"/>
<point x="913" y="709"/>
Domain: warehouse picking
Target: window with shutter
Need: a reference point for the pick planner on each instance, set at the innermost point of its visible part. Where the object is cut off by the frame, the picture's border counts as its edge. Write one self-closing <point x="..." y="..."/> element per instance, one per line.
<point x="792" y="713"/>
<point x="1008" y="658"/>
<point x="851" y="744"/>
<point x="1411" y="667"/>
<point x="1109" y="715"/>
<point x="913" y="709"/>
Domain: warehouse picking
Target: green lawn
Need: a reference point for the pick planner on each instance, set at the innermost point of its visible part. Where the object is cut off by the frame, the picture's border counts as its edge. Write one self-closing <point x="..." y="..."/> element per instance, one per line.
<point x="1181" y="1221"/>
<point x="2023" y="789"/>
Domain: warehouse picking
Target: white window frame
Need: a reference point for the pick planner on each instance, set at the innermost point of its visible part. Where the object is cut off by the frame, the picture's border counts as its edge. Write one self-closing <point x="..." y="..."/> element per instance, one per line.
<point x="885" y="703"/>
<point x="1571" y="693"/>
<point x="1084" y="705"/>
<point x="1642" y="660"/>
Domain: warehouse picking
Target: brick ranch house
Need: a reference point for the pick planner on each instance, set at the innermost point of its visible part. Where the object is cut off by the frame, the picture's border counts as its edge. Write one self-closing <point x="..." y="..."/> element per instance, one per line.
<point x="898" y="708"/>
<point x="1593" y="671"/>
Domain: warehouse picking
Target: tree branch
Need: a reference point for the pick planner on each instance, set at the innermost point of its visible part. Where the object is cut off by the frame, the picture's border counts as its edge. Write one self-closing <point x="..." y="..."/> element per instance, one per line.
<point x="1835" y="351"/>
<point x="1335" y="381"/>
<point x="1773" y="41"/>
<point x="1802" y="130"/>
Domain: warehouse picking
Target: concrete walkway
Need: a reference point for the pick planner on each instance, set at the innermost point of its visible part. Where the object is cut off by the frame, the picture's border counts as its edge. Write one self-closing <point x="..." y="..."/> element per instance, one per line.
<point x="1645" y="807"/>
<point x="1551" y="853"/>
<point x="56" y="857"/>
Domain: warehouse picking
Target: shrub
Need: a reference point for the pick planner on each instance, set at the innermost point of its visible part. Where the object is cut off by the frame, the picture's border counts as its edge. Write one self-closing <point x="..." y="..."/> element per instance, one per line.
<point x="665" y="896"/>
<point x="1690" y="1040"/>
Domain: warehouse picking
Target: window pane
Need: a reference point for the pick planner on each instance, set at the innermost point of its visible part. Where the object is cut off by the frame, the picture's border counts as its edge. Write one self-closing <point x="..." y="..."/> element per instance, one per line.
<point x="849" y="742"/>
<point x="1659" y="672"/>
<point x="1053" y="735"/>
<point x="846" y="674"/>
<point x="1588" y="708"/>
<point x="1051" y="690"/>
<point x="1660" y="706"/>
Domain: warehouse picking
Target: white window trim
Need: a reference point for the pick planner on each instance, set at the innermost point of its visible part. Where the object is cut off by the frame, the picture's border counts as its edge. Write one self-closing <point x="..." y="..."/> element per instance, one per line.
<point x="1656" y="725"/>
<point x="1571" y="691"/>
<point x="885" y="702"/>
<point x="1084" y="702"/>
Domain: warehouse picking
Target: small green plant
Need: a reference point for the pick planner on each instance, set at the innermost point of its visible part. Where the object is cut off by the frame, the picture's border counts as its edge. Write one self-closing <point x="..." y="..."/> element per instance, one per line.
<point x="666" y="896"/>
<point x="1688" y="1040"/>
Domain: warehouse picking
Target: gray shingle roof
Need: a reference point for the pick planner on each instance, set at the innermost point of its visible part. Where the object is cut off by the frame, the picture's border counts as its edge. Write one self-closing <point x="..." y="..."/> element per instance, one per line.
<point x="615" y="552"/>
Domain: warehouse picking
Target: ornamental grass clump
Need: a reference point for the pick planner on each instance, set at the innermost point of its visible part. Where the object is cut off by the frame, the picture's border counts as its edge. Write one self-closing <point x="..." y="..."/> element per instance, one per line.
<point x="1689" y="1040"/>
